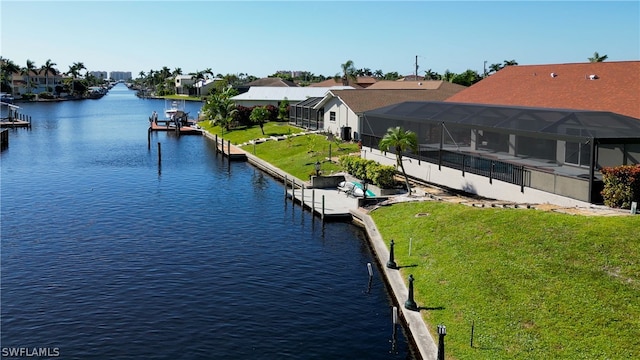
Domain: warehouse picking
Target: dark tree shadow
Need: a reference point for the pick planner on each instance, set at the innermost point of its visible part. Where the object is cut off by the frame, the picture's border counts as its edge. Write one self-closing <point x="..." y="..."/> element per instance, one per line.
<point x="429" y="308"/>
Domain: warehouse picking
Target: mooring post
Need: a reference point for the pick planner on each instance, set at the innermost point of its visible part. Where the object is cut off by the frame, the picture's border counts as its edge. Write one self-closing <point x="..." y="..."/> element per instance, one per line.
<point x="159" y="154"/>
<point x="391" y="264"/>
<point x="285" y="188"/>
<point x="410" y="303"/>
<point x="302" y="195"/>
<point x="149" y="138"/>
<point x="217" y="150"/>
<point x="229" y="149"/>
<point x="322" y="207"/>
<point x="313" y="202"/>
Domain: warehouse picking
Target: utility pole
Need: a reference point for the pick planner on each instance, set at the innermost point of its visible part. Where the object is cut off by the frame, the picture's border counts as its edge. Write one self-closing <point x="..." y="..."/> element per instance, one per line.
<point x="416" y="67"/>
<point x="485" y="68"/>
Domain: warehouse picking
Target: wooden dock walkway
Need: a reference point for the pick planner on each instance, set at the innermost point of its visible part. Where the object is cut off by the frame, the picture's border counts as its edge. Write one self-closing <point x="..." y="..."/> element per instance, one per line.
<point x="226" y="148"/>
<point x="162" y="125"/>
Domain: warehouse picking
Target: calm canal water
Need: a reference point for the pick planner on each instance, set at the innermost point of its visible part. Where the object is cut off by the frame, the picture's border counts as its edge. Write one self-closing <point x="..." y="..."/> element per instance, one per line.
<point x="104" y="255"/>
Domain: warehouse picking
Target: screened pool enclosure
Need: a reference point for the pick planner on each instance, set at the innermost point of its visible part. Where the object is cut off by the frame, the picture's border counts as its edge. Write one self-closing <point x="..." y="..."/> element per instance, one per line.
<point x="553" y="150"/>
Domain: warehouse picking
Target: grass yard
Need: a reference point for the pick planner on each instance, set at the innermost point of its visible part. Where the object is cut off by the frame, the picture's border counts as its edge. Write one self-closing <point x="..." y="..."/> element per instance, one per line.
<point x="298" y="155"/>
<point x="537" y="285"/>
<point x="243" y="134"/>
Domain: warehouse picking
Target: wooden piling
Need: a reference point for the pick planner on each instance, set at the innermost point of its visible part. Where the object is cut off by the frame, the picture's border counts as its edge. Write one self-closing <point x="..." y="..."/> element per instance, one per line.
<point x="313" y="202"/>
<point x="149" y="138"/>
<point x="322" y="207"/>
<point x="285" y="188"/>
<point x="302" y="196"/>
<point x="159" y="154"/>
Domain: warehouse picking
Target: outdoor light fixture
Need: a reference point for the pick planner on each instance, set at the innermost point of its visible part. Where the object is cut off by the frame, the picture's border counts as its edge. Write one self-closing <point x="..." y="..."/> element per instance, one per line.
<point x="317" y="168"/>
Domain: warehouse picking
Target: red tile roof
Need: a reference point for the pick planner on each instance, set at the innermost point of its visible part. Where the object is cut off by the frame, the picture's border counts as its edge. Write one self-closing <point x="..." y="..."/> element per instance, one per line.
<point x="615" y="88"/>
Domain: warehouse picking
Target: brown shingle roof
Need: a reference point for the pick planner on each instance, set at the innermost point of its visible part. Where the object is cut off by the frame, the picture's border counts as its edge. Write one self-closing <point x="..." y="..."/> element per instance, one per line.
<point x="616" y="89"/>
<point x="361" y="100"/>
<point x="273" y="81"/>
<point x="418" y="85"/>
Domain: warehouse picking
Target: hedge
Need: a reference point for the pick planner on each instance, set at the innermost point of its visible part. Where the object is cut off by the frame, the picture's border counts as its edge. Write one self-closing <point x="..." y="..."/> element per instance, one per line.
<point x="380" y="175"/>
<point x="621" y="185"/>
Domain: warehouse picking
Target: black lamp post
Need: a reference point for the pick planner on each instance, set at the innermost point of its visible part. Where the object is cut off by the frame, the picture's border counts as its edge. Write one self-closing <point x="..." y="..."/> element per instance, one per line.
<point x="410" y="303"/>
<point x="317" y="168"/>
<point x="391" y="264"/>
<point x="442" y="331"/>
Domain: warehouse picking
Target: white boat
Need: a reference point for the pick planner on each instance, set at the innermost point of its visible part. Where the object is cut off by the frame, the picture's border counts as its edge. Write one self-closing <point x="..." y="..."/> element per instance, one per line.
<point x="172" y="107"/>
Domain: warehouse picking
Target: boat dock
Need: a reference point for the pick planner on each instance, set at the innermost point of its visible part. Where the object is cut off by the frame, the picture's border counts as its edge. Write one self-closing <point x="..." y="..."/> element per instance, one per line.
<point x="227" y="149"/>
<point x="11" y="118"/>
<point x="169" y="125"/>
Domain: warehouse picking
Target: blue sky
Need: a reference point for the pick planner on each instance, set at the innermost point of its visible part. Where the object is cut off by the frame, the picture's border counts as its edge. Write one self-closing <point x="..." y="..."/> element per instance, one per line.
<point x="262" y="37"/>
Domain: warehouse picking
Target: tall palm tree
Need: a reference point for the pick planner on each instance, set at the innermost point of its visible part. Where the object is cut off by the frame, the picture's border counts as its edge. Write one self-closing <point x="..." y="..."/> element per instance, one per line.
<point x="28" y="70"/>
<point x="401" y="141"/>
<point x="48" y="68"/>
<point x="378" y="73"/>
<point x="510" y="62"/>
<point x="597" y="58"/>
<point x="79" y="66"/>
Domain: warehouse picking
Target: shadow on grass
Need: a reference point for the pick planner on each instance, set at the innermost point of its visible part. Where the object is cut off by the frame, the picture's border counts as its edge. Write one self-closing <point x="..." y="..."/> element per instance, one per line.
<point x="430" y="308"/>
<point x="407" y="266"/>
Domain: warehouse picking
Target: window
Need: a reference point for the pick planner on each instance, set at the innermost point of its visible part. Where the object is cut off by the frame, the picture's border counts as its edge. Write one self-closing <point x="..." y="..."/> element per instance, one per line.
<point x="332" y="116"/>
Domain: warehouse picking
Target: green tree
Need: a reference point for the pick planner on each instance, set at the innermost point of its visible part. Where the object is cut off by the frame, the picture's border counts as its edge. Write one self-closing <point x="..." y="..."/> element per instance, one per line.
<point x="283" y="110"/>
<point x="467" y="78"/>
<point x="348" y="73"/>
<point x="510" y="63"/>
<point x="597" y="58"/>
<point x="8" y="69"/>
<point x="48" y="68"/>
<point x="28" y="70"/>
<point x="219" y="109"/>
<point x="259" y="115"/>
<point x="401" y="141"/>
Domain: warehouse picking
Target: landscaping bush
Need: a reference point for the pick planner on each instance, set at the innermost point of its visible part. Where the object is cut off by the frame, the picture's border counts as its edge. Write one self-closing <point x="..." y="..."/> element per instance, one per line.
<point x="45" y="95"/>
<point x="621" y="185"/>
<point x="380" y="175"/>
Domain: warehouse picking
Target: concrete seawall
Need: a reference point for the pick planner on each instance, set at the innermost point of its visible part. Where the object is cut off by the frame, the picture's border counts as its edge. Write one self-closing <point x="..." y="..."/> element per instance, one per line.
<point x="418" y="332"/>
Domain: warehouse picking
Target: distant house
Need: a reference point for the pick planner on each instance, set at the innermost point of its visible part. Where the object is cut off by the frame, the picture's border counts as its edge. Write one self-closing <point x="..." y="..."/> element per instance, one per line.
<point x="273" y="95"/>
<point x="443" y="87"/>
<point x="342" y="109"/>
<point x="204" y="87"/>
<point x="37" y="82"/>
<point x="526" y="134"/>
<point x="268" y="81"/>
<point x="360" y="82"/>
<point x="184" y="84"/>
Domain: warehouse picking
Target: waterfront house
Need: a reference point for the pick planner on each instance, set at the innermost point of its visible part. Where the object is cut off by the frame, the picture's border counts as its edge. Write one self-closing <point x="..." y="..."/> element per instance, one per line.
<point x="184" y="84"/>
<point x="527" y="134"/>
<point x="35" y="83"/>
<point x="340" y="111"/>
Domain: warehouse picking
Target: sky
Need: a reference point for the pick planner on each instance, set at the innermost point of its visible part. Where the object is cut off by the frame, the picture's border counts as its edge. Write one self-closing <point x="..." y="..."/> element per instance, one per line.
<point x="260" y="38"/>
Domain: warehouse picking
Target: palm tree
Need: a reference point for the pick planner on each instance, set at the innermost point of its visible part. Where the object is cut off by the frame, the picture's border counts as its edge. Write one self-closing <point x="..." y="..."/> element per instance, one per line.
<point x="510" y="62"/>
<point x="220" y="109"/>
<point x="430" y="75"/>
<point x="401" y="141"/>
<point x="348" y="73"/>
<point x="79" y="66"/>
<point x="27" y="70"/>
<point x="597" y="58"/>
<point x="8" y="69"/>
<point x="493" y="68"/>
<point x="378" y="73"/>
<point x="48" y="68"/>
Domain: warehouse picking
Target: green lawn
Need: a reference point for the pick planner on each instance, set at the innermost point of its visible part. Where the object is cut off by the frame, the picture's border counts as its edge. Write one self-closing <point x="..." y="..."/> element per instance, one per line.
<point x="298" y="155"/>
<point x="243" y="134"/>
<point x="538" y="285"/>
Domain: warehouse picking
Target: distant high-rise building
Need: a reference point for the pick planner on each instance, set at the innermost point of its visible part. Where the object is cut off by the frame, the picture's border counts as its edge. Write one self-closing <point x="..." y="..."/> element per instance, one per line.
<point x="99" y="74"/>
<point x="120" y="75"/>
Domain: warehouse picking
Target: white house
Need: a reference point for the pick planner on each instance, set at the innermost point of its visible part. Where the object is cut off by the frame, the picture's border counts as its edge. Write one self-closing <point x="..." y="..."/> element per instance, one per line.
<point x="343" y="109"/>
<point x="183" y="83"/>
<point x="272" y="95"/>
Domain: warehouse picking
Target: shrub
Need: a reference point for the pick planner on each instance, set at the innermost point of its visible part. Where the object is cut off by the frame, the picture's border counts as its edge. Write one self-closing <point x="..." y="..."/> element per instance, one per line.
<point x="45" y="95"/>
<point x="621" y="185"/>
<point x="380" y="175"/>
